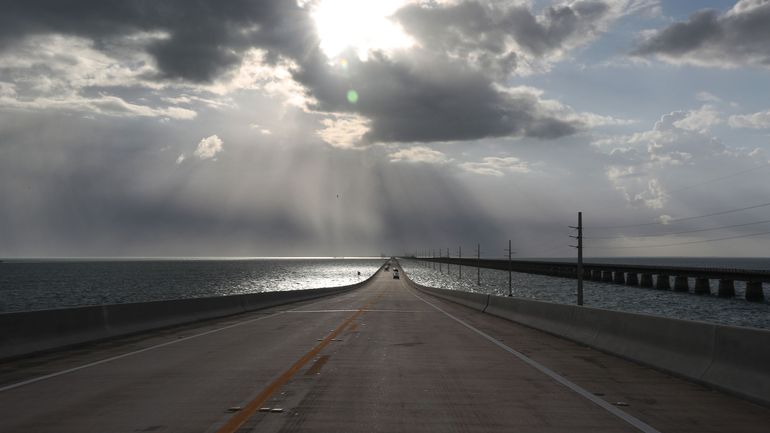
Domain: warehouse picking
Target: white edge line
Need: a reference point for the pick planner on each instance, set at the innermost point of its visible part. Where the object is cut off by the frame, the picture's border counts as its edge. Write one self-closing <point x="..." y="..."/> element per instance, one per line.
<point x="625" y="416"/>
<point x="124" y="355"/>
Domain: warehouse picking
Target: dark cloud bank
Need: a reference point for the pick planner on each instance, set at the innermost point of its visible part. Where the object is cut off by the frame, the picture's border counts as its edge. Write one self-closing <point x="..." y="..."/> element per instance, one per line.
<point x="444" y="89"/>
<point x="736" y="38"/>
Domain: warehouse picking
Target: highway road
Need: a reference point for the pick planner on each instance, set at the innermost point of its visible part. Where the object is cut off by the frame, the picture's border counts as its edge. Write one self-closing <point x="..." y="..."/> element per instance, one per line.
<point x="382" y="358"/>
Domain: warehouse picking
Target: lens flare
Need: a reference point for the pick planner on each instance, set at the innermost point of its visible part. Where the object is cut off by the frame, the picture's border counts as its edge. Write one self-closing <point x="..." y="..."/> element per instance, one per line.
<point x="352" y="96"/>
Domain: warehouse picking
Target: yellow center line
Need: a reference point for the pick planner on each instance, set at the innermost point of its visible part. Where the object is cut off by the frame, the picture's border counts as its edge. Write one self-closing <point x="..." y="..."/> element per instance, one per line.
<point x="234" y="423"/>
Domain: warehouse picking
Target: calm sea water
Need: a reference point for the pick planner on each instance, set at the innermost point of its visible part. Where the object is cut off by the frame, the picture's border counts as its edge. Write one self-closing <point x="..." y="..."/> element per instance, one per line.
<point x="708" y="308"/>
<point x="34" y="285"/>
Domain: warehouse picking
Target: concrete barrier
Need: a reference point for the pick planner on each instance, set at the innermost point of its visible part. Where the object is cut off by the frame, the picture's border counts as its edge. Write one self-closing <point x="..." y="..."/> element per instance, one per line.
<point x="732" y="359"/>
<point x="741" y="362"/>
<point x="25" y="333"/>
<point x="477" y="301"/>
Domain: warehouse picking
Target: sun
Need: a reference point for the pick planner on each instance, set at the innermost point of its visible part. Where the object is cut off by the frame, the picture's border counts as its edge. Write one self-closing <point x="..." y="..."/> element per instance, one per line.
<point x="359" y="25"/>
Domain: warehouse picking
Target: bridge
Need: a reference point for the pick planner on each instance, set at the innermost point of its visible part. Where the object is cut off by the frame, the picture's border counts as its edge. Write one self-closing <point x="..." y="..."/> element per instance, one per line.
<point x="385" y="356"/>
<point x="658" y="277"/>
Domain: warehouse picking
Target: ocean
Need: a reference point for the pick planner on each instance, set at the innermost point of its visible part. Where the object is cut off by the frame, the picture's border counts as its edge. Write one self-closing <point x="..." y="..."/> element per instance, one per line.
<point x="707" y="308"/>
<point x="46" y="284"/>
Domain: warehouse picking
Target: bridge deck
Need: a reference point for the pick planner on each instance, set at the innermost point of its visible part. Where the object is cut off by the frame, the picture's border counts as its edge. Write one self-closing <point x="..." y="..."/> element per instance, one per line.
<point x="382" y="358"/>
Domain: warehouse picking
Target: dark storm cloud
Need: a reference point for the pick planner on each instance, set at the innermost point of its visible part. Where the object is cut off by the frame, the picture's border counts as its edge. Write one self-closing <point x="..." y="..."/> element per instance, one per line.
<point x="448" y="88"/>
<point x="738" y="37"/>
<point x="423" y="99"/>
<point x="204" y="38"/>
<point x="451" y="87"/>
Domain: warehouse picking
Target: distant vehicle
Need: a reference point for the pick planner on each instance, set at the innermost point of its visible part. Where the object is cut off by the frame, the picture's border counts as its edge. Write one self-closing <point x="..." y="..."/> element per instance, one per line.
<point x="395" y="274"/>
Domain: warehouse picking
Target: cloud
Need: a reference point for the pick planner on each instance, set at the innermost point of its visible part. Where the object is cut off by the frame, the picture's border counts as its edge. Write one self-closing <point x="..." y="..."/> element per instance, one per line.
<point x="405" y="100"/>
<point x="759" y="120"/>
<point x="68" y="73"/>
<point x="506" y="38"/>
<point x="419" y="154"/>
<point x="344" y="131"/>
<point x="496" y="166"/>
<point x="200" y="41"/>
<point x="151" y="55"/>
<point x="646" y="166"/>
<point x="699" y="120"/>
<point x="209" y="147"/>
<point x="477" y="46"/>
<point x="707" y="97"/>
<point x="736" y="38"/>
<point x="161" y="59"/>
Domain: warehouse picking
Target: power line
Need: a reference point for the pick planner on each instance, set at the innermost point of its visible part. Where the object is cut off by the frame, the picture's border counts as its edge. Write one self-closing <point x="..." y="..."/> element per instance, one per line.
<point x="681" y="243"/>
<point x="551" y="246"/>
<point x="671" y="221"/>
<point x="681" y="232"/>
<point x="718" y="178"/>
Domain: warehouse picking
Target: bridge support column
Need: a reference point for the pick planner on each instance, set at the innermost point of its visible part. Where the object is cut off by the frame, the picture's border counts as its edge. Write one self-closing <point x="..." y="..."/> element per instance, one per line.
<point x="681" y="284"/>
<point x="702" y="286"/>
<point x="586" y="274"/>
<point x="726" y="288"/>
<point x="620" y="277"/>
<point x="607" y="276"/>
<point x="631" y="279"/>
<point x="754" y="291"/>
<point x="646" y="280"/>
<point x="663" y="282"/>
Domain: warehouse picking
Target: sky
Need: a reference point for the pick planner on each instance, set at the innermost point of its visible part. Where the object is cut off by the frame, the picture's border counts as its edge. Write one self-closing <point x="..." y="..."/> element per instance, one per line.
<point x="349" y="128"/>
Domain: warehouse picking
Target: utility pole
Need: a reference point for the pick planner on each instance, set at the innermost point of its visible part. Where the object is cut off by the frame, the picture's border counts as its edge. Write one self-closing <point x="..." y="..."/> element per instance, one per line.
<point x="433" y="257"/>
<point x="510" y="269"/>
<point x="478" y="264"/>
<point x="579" y="247"/>
<point x="448" y="263"/>
<point x="460" y="263"/>
<point x="440" y="270"/>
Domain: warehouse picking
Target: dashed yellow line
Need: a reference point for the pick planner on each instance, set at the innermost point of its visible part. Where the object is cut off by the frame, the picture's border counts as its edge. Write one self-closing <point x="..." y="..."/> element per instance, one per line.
<point x="234" y="423"/>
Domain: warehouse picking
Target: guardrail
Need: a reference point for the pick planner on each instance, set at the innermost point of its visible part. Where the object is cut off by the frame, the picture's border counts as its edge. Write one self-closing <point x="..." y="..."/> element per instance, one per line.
<point x="25" y="333"/>
<point x="732" y="359"/>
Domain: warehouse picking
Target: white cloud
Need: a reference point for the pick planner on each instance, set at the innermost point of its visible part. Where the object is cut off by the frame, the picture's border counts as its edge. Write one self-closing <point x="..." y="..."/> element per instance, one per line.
<point x="699" y="120"/>
<point x="419" y="154"/>
<point x="760" y="120"/>
<point x="55" y="72"/>
<point x="344" y="131"/>
<point x="209" y="147"/>
<point x="255" y="73"/>
<point x="646" y="165"/>
<point x="707" y="97"/>
<point x="181" y="158"/>
<point x="261" y="129"/>
<point x="496" y="166"/>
